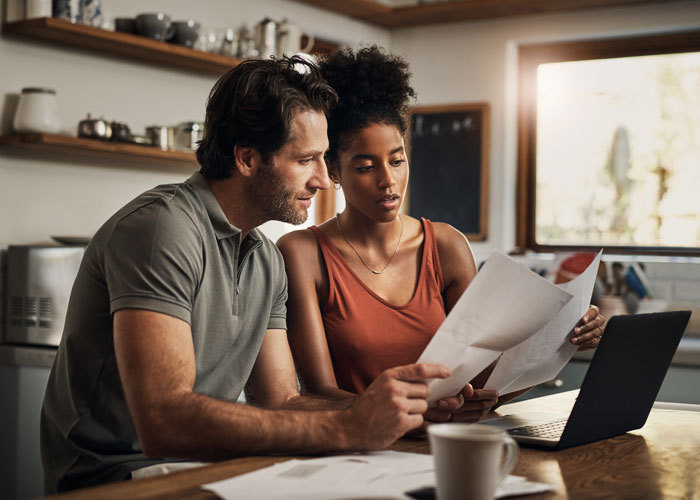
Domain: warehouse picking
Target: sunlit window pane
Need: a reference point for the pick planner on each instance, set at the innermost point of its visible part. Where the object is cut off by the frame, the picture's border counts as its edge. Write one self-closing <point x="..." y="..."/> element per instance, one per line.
<point x="618" y="152"/>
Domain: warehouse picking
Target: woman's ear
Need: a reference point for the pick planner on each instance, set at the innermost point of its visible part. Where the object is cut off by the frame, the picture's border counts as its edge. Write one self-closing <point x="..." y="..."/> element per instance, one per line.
<point x="333" y="173"/>
<point x="246" y="160"/>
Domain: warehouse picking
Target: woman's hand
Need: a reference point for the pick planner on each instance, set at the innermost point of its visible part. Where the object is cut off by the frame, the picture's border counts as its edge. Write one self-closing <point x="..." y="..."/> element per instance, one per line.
<point x="589" y="330"/>
<point x="467" y="406"/>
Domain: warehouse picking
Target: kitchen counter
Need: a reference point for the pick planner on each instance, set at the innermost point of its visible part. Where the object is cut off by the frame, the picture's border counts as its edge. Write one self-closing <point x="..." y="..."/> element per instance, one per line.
<point x="24" y="373"/>
<point x="24" y="355"/>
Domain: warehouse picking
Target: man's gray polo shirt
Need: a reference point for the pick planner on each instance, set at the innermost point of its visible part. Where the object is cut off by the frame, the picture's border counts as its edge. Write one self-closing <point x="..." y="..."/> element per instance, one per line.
<point x="171" y="250"/>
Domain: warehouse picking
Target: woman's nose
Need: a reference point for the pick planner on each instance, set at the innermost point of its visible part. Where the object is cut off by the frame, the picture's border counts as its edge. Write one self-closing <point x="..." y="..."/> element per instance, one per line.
<point x="387" y="178"/>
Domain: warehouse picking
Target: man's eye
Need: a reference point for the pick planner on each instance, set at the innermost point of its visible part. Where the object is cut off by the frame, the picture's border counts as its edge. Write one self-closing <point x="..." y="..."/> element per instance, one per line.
<point x="365" y="168"/>
<point x="306" y="161"/>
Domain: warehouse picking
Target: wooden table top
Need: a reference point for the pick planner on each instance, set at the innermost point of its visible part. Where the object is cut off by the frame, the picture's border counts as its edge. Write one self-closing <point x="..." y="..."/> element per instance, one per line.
<point x="661" y="460"/>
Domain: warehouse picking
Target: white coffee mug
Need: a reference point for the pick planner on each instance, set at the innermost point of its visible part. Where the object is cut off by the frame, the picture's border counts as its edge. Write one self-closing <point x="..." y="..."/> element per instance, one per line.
<point x="470" y="460"/>
<point x="289" y="36"/>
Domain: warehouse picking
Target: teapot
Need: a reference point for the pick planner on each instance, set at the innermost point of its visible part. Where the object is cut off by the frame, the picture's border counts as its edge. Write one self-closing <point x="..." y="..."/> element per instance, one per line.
<point x="289" y="36"/>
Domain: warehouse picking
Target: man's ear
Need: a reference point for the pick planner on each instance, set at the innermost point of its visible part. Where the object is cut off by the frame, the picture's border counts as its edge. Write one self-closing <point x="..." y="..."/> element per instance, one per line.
<point x="246" y="160"/>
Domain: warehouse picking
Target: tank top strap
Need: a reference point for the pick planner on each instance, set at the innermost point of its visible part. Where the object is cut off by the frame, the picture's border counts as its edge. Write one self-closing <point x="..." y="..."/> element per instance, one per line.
<point x="431" y="258"/>
<point x="332" y="262"/>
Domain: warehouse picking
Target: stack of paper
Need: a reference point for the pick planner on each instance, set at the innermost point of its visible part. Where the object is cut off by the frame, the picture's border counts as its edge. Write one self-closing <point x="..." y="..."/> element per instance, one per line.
<point x="385" y="474"/>
<point x="510" y="312"/>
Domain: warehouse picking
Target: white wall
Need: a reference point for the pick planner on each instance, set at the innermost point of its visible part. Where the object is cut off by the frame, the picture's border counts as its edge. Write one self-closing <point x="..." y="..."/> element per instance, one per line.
<point x="451" y="63"/>
<point x="65" y="195"/>
<point x="469" y="62"/>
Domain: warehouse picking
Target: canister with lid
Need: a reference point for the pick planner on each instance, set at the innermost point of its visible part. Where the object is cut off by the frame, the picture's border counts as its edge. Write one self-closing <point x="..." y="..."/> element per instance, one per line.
<point x="37" y="111"/>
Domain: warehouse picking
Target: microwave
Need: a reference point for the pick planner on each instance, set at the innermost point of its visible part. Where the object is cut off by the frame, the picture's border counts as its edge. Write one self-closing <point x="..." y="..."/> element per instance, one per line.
<point x="39" y="280"/>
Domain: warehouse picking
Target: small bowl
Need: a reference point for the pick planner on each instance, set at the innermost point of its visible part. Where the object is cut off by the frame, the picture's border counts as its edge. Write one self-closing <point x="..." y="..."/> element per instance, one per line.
<point x="125" y="25"/>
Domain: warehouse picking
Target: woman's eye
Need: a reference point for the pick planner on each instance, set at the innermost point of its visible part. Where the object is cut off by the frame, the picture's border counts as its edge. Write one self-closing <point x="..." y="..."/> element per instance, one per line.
<point x="365" y="168"/>
<point x="397" y="163"/>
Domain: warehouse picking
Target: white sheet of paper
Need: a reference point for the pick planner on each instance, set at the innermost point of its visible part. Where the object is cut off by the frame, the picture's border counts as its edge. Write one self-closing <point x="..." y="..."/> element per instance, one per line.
<point x="542" y="356"/>
<point x="504" y="304"/>
<point x="384" y="474"/>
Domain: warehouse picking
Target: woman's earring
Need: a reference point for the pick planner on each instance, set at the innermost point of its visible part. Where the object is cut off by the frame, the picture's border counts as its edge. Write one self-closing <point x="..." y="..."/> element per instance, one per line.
<point x="336" y="184"/>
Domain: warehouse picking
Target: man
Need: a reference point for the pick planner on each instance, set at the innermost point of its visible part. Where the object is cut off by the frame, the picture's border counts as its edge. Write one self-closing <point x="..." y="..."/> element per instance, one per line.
<point x="180" y="301"/>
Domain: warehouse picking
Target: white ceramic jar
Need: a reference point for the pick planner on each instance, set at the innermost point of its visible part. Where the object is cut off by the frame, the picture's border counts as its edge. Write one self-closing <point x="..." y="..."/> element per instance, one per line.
<point x="37" y="111"/>
<point x="38" y="8"/>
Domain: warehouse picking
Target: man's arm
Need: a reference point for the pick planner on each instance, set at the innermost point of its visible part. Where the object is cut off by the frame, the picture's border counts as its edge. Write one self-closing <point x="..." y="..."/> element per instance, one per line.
<point x="156" y="363"/>
<point x="273" y="383"/>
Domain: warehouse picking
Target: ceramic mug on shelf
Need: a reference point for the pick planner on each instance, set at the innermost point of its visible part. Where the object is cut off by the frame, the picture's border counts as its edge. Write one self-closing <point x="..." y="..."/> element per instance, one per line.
<point x="37" y="111"/>
<point x="289" y="38"/>
<point x="68" y="10"/>
<point x="185" y="33"/>
<point x="125" y="25"/>
<point x="156" y="26"/>
<point x="37" y="8"/>
<point x="470" y="459"/>
<point x="90" y="12"/>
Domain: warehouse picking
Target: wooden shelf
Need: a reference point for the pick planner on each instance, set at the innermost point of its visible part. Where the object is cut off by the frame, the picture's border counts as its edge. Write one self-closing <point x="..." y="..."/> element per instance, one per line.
<point x="96" y="148"/>
<point x="121" y="44"/>
<point x="458" y="10"/>
<point x="130" y="46"/>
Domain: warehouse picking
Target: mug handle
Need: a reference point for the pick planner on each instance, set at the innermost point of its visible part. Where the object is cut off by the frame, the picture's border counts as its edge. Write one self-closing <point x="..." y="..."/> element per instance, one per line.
<point x="309" y="43"/>
<point x="511" y="457"/>
<point x="170" y="33"/>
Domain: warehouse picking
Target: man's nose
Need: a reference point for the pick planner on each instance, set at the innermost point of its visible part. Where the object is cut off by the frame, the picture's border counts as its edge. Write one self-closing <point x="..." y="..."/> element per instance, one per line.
<point x="320" y="179"/>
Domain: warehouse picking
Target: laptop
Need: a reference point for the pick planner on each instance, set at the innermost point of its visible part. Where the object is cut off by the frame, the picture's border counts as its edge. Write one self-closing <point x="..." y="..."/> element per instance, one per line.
<point x="618" y="390"/>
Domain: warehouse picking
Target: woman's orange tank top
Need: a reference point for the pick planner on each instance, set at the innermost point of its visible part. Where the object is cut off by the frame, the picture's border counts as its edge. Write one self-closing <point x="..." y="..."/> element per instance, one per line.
<point x="366" y="334"/>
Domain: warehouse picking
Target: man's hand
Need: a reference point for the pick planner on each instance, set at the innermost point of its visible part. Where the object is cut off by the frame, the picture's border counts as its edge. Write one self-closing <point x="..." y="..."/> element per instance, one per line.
<point x="392" y="405"/>
<point x="589" y="330"/>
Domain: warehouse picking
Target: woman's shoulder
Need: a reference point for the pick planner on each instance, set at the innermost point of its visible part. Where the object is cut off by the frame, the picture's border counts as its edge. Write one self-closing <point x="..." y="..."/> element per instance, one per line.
<point x="299" y="241"/>
<point x="302" y="255"/>
<point x="454" y="251"/>
<point x="448" y="236"/>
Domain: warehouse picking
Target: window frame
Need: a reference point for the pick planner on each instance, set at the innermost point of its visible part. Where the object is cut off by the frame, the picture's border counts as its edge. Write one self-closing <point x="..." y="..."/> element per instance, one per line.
<point x="530" y="56"/>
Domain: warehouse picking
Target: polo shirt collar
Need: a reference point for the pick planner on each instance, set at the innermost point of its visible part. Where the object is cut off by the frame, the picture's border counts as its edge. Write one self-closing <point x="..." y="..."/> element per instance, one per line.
<point x="222" y="227"/>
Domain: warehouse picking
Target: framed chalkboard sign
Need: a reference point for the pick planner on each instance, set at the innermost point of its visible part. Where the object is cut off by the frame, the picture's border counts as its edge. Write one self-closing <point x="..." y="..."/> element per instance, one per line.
<point x="449" y="166"/>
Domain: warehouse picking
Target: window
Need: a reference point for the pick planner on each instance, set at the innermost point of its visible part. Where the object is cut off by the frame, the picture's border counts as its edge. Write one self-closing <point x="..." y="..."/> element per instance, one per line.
<point x="609" y="145"/>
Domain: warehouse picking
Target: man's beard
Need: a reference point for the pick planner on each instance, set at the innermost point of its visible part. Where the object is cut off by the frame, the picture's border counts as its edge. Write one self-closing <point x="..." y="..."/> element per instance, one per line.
<point x="273" y="199"/>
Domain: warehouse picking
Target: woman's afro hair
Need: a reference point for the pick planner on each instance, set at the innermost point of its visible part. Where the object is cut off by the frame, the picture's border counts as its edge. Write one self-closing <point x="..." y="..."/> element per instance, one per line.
<point x="372" y="86"/>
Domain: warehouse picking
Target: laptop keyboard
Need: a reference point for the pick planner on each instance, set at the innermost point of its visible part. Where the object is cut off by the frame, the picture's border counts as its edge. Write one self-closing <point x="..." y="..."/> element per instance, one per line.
<point x="548" y="430"/>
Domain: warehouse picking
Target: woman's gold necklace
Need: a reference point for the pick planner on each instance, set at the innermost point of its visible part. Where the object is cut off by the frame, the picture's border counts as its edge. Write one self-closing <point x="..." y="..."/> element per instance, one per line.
<point x="398" y="243"/>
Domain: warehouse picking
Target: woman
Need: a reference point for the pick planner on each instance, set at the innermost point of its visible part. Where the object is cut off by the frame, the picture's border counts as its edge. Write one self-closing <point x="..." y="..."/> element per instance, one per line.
<point x="370" y="287"/>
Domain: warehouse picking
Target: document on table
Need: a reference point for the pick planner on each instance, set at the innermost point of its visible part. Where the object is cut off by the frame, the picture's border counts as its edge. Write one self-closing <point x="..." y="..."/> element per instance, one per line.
<point x="383" y="474"/>
<point x="503" y="306"/>
<point x="542" y="356"/>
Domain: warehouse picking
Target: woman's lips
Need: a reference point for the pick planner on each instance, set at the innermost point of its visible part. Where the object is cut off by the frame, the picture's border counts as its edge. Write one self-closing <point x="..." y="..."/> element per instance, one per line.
<point x="389" y="202"/>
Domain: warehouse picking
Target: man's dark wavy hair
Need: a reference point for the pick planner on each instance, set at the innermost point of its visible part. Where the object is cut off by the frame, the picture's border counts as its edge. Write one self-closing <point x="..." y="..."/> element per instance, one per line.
<point x="372" y="87"/>
<point x="253" y="105"/>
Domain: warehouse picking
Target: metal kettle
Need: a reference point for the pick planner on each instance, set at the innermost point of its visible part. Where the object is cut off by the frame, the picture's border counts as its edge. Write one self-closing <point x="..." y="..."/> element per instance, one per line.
<point x="266" y="38"/>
